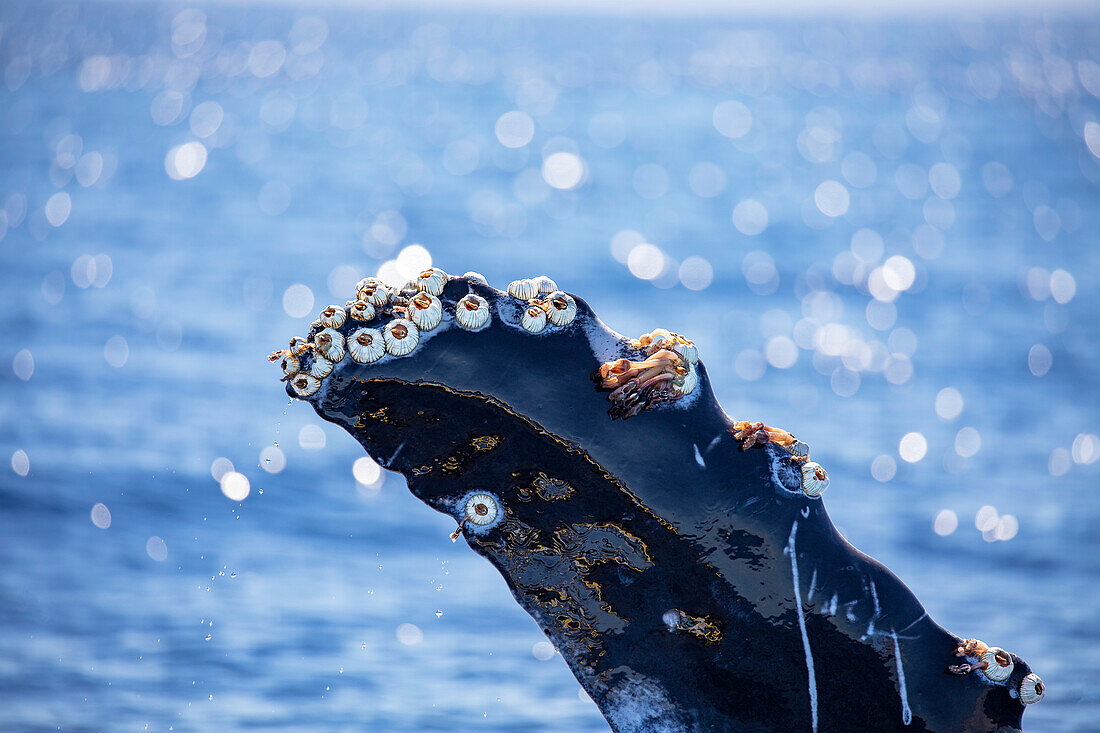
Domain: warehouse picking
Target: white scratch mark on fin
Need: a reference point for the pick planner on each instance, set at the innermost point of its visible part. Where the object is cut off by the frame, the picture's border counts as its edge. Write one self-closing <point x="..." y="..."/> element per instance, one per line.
<point x="832" y="606"/>
<point x="802" y="628"/>
<point x="906" y="713"/>
<point x="713" y="443"/>
<point x="874" y="597"/>
<point x="806" y="511"/>
<point x="394" y="456"/>
<point x="698" y="457"/>
<point x="917" y="621"/>
<point x="813" y="582"/>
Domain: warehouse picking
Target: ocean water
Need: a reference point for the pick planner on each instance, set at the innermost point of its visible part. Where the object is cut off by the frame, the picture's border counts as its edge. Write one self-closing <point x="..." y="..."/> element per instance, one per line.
<point x="882" y="235"/>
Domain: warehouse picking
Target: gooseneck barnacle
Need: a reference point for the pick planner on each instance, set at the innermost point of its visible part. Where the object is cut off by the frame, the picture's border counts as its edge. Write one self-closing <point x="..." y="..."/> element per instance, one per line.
<point x="636" y="385"/>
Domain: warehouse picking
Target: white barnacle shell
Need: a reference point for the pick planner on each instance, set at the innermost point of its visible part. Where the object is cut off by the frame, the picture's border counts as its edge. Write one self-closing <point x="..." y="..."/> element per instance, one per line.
<point x="321" y="368"/>
<point x="523" y="289"/>
<point x="361" y="310"/>
<point x="333" y="317"/>
<point x="290" y="364"/>
<point x="561" y="308"/>
<point x="1031" y="689"/>
<point x="998" y="664"/>
<point x="544" y="284"/>
<point x="688" y="382"/>
<point x="687" y="351"/>
<point x="798" y="449"/>
<point x="373" y="291"/>
<point x="533" y="319"/>
<point x="471" y="275"/>
<point x="425" y="311"/>
<point x="481" y="509"/>
<point x="329" y="343"/>
<point x="472" y="312"/>
<point x="814" y="479"/>
<point x="304" y="385"/>
<point x="400" y="336"/>
<point x="366" y="345"/>
<point x="431" y="281"/>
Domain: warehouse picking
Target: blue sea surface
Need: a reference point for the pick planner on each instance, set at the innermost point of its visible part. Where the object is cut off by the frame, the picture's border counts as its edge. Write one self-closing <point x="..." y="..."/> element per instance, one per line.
<point x="882" y="236"/>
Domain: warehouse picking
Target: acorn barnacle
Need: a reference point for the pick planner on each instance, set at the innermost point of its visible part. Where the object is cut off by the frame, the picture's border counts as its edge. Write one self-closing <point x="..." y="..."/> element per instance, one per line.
<point x="1031" y="689"/>
<point x="998" y="664"/>
<point x="321" y="367"/>
<point x="366" y="345"/>
<point x="361" y="310"/>
<point x="533" y="319"/>
<point x="329" y="343"/>
<point x="472" y="312"/>
<point x="687" y="381"/>
<point x="304" y="385"/>
<point x="431" y="281"/>
<point x="561" y="308"/>
<point x="481" y="509"/>
<point x="425" y="311"/>
<point x="290" y="364"/>
<point x="686" y="350"/>
<point x="814" y="479"/>
<point x="333" y="317"/>
<point x="373" y="291"/>
<point x="523" y="289"/>
<point x="544" y="284"/>
<point x="400" y="336"/>
<point x="798" y="449"/>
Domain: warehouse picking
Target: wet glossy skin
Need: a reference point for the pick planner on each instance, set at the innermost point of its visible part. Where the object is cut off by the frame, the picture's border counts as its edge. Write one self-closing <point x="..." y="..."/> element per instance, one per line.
<point x="610" y="528"/>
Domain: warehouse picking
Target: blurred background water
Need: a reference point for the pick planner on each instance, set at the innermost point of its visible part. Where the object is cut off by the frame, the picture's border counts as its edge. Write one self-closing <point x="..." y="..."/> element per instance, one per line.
<point x="883" y="236"/>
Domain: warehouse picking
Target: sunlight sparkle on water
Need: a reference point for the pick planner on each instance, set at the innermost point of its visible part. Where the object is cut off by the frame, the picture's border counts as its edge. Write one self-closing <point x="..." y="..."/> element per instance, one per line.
<point x="272" y="459"/>
<point x="20" y="462"/>
<point x="298" y="301"/>
<point x="311" y="437"/>
<point x="101" y="516"/>
<point x="23" y="364"/>
<point x="156" y="549"/>
<point x="945" y="523"/>
<point x="409" y="634"/>
<point x="542" y="650"/>
<point x="949" y="403"/>
<point x="219" y="467"/>
<point x="366" y="471"/>
<point x="235" y="486"/>
<point x="912" y="447"/>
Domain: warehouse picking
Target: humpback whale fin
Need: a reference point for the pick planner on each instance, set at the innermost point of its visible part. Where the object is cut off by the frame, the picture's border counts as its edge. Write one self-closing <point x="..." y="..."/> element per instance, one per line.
<point x="682" y="562"/>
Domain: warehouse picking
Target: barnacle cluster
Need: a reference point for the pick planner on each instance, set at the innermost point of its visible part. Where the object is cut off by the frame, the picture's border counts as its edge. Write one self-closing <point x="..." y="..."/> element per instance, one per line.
<point x="667" y="373"/>
<point x="383" y="320"/>
<point x="545" y="303"/>
<point x="351" y="330"/>
<point x="996" y="666"/>
<point x="814" y="477"/>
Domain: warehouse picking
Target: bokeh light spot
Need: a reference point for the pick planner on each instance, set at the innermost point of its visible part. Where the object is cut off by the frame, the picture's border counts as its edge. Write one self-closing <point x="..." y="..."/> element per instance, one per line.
<point x="298" y="301"/>
<point x="912" y="447"/>
<point x="101" y="516"/>
<point x="235" y="486"/>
